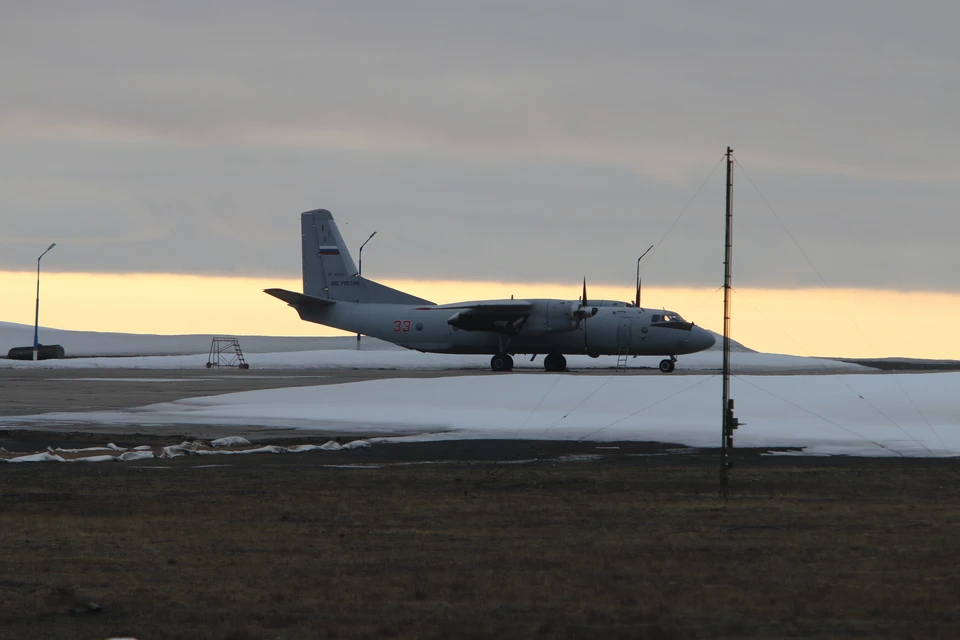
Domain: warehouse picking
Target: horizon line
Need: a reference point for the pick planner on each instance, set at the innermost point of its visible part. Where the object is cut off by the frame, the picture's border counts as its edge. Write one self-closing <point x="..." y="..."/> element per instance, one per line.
<point x="493" y="281"/>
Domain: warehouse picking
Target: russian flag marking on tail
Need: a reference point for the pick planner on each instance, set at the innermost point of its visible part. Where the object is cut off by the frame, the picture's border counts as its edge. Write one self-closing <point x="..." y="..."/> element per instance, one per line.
<point x="328" y="251"/>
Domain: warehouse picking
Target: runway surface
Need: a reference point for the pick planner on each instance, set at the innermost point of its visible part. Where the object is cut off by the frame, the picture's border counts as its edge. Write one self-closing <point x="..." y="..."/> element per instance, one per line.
<point x="32" y="391"/>
<point x="29" y="392"/>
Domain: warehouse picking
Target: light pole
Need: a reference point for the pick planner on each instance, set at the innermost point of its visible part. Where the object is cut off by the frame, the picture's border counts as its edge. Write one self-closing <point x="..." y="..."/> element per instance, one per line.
<point x="36" y="317"/>
<point x="360" y="270"/>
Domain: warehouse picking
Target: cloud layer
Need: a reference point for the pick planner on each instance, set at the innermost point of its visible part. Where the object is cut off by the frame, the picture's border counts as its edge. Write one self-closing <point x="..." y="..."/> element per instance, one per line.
<point x="515" y="141"/>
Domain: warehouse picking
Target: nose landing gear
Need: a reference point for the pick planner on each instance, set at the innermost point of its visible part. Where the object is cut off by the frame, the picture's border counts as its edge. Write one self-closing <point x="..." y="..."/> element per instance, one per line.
<point x="667" y="365"/>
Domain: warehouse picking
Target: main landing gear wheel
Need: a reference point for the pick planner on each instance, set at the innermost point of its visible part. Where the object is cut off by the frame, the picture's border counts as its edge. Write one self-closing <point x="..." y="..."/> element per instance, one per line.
<point x="667" y="366"/>
<point x="555" y="362"/>
<point x="501" y="362"/>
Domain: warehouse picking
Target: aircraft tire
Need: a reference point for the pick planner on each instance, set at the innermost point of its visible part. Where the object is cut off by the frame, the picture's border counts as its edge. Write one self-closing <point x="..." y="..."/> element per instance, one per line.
<point x="667" y="366"/>
<point x="555" y="362"/>
<point x="501" y="362"/>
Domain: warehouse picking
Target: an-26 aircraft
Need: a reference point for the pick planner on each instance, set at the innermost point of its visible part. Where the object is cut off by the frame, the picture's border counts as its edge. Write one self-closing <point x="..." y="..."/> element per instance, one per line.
<point x="336" y="295"/>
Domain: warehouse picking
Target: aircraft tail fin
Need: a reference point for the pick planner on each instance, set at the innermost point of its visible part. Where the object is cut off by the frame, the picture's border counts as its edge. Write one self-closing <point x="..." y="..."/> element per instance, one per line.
<point x="330" y="273"/>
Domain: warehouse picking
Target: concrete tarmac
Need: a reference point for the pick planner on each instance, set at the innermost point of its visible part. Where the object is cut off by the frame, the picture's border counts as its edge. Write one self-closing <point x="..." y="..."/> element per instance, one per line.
<point x="32" y="391"/>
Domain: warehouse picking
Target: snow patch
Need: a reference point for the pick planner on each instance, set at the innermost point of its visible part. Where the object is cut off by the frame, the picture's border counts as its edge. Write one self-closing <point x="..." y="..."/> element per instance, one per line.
<point x="46" y="456"/>
<point x="94" y="459"/>
<point x="85" y="450"/>
<point x="135" y="455"/>
<point x="230" y="441"/>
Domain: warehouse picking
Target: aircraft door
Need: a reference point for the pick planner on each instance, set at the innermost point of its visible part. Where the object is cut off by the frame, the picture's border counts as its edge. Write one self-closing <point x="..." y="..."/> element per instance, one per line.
<point x="624" y="334"/>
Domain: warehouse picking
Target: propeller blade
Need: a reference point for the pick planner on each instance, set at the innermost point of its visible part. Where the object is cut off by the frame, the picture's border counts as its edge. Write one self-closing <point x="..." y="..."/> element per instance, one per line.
<point x="585" y="343"/>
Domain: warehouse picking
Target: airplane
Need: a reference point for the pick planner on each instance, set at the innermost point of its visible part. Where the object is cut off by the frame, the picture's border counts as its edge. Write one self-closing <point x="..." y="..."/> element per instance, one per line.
<point x="336" y="295"/>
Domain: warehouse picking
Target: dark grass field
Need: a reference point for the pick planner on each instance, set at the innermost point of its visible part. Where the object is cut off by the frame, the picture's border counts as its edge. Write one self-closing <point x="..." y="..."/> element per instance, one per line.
<point x="634" y="546"/>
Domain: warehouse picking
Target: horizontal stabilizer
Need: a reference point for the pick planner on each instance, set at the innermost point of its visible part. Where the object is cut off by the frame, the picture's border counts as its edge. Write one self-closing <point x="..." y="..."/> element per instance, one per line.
<point x="299" y="300"/>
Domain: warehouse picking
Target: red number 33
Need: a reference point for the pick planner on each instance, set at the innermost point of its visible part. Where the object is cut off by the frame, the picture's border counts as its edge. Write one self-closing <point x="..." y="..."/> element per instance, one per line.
<point x="401" y="325"/>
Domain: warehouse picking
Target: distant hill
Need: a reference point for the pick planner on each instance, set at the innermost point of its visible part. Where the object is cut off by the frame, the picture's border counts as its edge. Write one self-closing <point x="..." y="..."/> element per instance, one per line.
<point x="94" y="343"/>
<point x="734" y="345"/>
<point x="904" y="364"/>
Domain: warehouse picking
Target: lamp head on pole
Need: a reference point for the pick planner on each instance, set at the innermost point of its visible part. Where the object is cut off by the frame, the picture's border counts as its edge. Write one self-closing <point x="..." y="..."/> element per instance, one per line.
<point x="48" y="249"/>
<point x="360" y="269"/>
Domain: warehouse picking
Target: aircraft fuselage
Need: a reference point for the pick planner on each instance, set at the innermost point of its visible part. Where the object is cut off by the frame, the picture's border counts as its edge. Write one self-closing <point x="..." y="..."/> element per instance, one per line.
<point x="611" y="331"/>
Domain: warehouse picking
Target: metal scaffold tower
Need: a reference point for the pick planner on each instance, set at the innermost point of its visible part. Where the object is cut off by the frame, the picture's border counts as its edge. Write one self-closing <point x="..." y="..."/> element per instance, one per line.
<point x="225" y="352"/>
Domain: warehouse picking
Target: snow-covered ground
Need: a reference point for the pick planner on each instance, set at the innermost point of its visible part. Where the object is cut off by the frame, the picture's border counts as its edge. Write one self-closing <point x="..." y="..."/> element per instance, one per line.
<point x="872" y="415"/>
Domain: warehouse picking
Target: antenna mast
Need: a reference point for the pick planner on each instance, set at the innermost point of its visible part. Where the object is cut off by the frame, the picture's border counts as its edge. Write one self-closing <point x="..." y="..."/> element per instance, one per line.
<point x="638" y="273"/>
<point x="729" y="422"/>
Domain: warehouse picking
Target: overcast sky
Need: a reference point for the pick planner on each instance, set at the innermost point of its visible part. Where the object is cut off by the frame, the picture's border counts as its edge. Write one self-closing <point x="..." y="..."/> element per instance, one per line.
<point x="523" y="141"/>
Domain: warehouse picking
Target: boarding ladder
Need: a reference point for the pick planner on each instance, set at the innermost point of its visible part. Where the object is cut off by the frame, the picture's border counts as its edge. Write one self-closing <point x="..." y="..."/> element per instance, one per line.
<point x="622" y="359"/>
<point x="225" y="352"/>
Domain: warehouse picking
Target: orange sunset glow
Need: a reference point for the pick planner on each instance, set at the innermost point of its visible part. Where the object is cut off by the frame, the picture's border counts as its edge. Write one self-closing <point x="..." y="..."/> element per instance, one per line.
<point x="824" y="322"/>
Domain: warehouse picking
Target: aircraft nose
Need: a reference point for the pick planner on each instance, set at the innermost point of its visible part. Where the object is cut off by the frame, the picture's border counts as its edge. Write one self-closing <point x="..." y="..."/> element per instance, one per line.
<point x="703" y="339"/>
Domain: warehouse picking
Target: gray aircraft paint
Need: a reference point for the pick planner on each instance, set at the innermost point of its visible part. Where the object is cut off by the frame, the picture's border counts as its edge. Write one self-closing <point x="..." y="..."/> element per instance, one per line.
<point x="335" y="295"/>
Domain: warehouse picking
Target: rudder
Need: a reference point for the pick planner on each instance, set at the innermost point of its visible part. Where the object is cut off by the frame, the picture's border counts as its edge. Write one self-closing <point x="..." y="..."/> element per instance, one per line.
<point x="327" y="265"/>
<point x="328" y="270"/>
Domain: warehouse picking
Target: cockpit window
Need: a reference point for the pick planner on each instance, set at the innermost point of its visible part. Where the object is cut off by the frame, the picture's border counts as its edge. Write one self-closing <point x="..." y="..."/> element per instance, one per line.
<point x="667" y="317"/>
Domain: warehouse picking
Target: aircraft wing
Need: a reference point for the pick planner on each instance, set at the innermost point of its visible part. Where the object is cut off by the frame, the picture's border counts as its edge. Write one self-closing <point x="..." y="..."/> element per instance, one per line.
<point x="486" y="305"/>
<point x="500" y="316"/>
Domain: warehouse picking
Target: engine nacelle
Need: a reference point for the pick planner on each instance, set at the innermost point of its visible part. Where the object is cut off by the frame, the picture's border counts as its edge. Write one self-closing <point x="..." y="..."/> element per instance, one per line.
<point x="563" y="315"/>
<point x="582" y="313"/>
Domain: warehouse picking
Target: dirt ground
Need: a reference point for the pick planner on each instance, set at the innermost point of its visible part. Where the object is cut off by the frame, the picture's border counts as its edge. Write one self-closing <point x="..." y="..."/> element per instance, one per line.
<point x="479" y="540"/>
